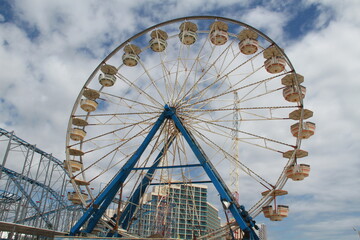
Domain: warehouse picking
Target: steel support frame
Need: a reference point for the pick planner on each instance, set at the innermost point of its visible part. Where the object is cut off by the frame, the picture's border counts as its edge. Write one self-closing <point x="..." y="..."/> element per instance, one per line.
<point x="96" y="210"/>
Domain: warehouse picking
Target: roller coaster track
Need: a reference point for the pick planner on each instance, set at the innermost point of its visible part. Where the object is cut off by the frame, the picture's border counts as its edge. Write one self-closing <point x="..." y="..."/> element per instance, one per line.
<point x="33" y="187"/>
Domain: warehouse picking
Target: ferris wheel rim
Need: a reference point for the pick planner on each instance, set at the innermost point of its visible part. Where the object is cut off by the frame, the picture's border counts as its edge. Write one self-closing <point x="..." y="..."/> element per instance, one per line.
<point x="282" y="179"/>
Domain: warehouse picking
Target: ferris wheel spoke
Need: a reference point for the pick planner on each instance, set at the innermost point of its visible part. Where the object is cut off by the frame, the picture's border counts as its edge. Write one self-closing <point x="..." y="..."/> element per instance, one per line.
<point x="128" y="126"/>
<point x="220" y="75"/>
<point x="223" y="76"/>
<point x="124" y="99"/>
<point x="256" y="116"/>
<point x="195" y="110"/>
<point x="242" y="166"/>
<point x="244" y="99"/>
<point x="235" y="90"/>
<point x="195" y="66"/>
<point x="170" y="90"/>
<point x="190" y="92"/>
<point x="205" y="102"/>
<point x="175" y="85"/>
<point x="152" y="80"/>
<point x="243" y="132"/>
<point x="98" y="147"/>
<point x="177" y="82"/>
<point x="117" y="114"/>
<point x="139" y="90"/>
<point x="117" y="149"/>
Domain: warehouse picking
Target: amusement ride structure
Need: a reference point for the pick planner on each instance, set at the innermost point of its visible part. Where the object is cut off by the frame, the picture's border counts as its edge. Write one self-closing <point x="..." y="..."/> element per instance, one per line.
<point x="165" y="108"/>
<point x="195" y="100"/>
<point x="33" y="191"/>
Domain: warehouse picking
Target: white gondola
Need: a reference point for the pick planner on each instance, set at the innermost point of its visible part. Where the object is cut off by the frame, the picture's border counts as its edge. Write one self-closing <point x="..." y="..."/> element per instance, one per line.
<point x="307" y="130"/>
<point x="91" y="94"/>
<point x="130" y="59"/>
<point x="248" y="42"/>
<point x="75" y="198"/>
<point x="218" y="33"/>
<point x="298" y="172"/>
<point x="79" y="122"/>
<point x="158" y="40"/>
<point x="131" y="55"/>
<point x="293" y="93"/>
<point x="73" y="165"/>
<point x="77" y="134"/>
<point x="275" y="62"/>
<point x="277" y="214"/>
<point x="107" y="80"/>
<point x="295" y="153"/>
<point x="88" y="105"/>
<point x="188" y="35"/>
<point x="75" y="152"/>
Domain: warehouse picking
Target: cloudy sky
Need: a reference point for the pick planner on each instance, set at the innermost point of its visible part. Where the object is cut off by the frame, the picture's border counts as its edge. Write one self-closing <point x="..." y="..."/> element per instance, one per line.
<point x="49" y="48"/>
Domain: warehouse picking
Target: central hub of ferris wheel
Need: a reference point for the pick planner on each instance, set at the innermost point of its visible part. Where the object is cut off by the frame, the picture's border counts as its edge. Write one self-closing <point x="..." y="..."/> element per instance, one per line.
<point x="169" y="111"/>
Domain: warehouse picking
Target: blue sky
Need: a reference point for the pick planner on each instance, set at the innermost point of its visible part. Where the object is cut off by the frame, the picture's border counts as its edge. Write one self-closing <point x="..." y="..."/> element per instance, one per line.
<point x="49" y="48"/>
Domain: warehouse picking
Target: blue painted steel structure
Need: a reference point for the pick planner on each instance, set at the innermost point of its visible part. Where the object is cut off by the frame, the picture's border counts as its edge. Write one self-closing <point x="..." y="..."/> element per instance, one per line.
<point x="96" y="210"/>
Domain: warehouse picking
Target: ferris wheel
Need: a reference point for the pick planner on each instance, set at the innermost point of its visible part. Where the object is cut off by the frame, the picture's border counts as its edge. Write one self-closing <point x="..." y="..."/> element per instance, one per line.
<point x="159" y="110"/>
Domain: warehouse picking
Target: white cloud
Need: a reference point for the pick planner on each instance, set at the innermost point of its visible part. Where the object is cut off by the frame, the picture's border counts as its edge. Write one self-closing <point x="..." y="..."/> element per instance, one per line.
<point x="272" y="24"/>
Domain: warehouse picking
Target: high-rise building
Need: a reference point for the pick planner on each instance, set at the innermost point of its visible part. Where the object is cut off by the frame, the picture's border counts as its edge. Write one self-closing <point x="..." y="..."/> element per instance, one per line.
<point x="176" y="211"/>
<point x="213" y="219"/>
